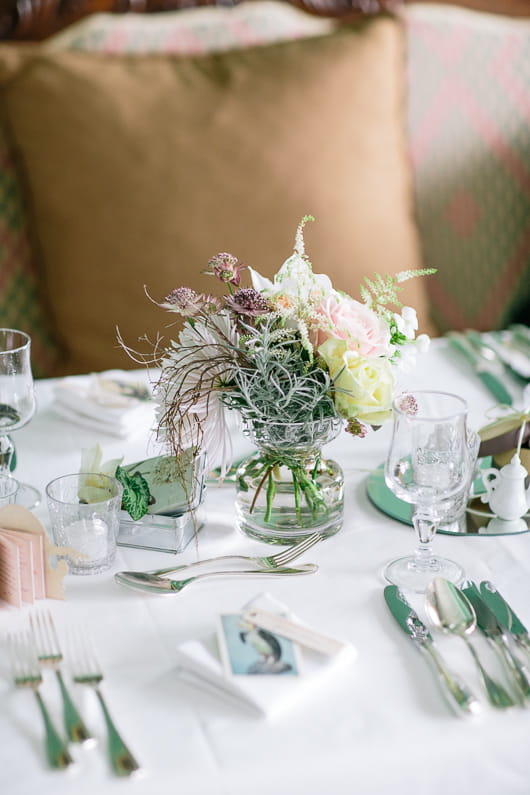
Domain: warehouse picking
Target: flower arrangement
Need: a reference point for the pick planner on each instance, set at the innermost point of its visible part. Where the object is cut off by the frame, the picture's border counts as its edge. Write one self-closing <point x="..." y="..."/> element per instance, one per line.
<point x="298" y="360"/>
<point x="288" y="350"/>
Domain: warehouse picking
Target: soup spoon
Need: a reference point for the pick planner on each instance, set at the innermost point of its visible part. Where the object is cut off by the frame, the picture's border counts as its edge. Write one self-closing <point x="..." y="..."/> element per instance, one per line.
<point x="451" y="611"/>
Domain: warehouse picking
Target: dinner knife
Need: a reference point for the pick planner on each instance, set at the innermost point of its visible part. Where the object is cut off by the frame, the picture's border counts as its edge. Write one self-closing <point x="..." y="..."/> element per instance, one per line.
<point x="481" y="367"/>
<point x="492" y="629"/>
<point x="486" y="346"/>
<point x="521" y="334"/>
<point x="505" y="615"/>
<point x="460" y="698"/>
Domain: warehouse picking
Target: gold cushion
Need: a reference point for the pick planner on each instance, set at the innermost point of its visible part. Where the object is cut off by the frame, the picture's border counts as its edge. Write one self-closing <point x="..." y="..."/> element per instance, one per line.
<point x="139" y="168"/>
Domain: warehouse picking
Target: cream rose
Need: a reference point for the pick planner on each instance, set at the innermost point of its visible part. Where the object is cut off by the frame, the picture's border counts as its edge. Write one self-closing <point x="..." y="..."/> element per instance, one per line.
<point x="341" y="317"/>
<point x="364" y="384"/>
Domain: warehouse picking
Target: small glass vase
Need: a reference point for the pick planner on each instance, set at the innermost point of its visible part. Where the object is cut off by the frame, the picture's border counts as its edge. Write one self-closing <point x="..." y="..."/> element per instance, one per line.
<point x="286" y="490"/>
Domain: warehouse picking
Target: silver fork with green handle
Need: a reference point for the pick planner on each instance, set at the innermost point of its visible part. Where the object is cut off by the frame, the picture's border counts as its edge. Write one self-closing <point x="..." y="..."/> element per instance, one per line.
<point x="86" y="671"/>
<point x="49" y="654"/>
<point x="26" y="674"/>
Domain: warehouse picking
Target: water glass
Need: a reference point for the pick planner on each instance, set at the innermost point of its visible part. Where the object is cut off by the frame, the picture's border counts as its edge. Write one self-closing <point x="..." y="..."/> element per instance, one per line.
<point x="17" y="403"/>
<point x="84" y="513"/>
<point x="428" y="464"/>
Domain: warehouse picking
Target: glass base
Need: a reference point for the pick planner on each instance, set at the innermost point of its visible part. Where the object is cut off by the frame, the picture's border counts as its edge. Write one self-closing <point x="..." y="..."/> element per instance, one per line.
<point x="285" y="535"/>
<point x="27" y="496"/>
<point x="92" y="567"/>
<point x="410" y="575"/>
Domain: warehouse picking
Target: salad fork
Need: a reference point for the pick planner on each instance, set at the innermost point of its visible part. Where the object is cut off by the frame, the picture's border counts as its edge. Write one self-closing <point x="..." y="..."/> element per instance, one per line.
<point x="26" y="673"/>
<point x="49" y="653"/>
<point x="279" y="560"/>
<point x="86" y="671"/>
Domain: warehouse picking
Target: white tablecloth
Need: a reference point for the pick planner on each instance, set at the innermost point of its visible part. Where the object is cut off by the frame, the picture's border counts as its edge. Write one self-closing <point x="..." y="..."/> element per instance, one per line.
<point x="381" y="726"/>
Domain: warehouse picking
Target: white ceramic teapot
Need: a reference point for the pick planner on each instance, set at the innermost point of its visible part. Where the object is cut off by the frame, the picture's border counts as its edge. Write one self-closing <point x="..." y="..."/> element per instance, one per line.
<point x="505" y="490"/>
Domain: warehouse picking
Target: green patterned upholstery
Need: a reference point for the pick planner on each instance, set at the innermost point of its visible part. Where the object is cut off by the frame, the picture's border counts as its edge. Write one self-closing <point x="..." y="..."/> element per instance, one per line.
<point x="22" y="305"/>
<point x="469" y="134"/>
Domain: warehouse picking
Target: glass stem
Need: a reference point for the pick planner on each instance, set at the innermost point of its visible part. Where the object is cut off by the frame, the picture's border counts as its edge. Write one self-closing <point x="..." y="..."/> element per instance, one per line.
<point x="7" y="450"/>
<point x="425" y="526"/>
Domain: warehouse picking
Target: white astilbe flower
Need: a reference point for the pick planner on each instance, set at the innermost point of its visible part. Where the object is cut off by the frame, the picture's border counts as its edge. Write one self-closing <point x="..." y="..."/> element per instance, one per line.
<point x="189" y="409"/>
<point x="408" y="354"/>
<point x="407" y="322"/>
<point x="295" y="286"/>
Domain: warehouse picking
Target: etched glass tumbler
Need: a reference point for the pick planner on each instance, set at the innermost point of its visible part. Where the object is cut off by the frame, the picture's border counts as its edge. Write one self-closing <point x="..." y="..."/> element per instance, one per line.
<point x="84" y="514"/>
<point x="427" y="465"/>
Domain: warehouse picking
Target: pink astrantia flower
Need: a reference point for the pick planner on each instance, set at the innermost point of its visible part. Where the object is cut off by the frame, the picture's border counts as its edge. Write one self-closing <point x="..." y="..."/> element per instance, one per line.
<point x="341" y="317"/>
<point x="407" y="404"/>
<point x="226" y="268"/>
<point x="249" y="302"/>
<point x="183" y="301"/>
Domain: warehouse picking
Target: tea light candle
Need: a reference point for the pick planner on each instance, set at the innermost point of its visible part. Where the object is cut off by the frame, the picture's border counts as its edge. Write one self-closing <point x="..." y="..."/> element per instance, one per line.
<point x="89" y="537"/>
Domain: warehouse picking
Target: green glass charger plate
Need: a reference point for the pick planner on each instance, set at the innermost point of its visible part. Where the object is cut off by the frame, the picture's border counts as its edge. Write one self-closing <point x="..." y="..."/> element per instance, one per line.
<point x="479" y="521"/>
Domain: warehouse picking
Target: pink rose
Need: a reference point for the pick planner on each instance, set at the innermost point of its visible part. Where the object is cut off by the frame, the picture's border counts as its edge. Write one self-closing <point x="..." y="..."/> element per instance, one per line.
<point x="341" y="317"/>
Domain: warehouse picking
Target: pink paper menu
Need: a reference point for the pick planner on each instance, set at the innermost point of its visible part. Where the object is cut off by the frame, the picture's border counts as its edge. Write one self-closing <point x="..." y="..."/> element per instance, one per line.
<point x="26" y="572"/>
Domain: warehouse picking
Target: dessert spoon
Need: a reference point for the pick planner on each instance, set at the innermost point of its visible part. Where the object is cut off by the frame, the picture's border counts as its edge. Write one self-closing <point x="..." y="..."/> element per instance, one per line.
<point x="451" y="611"/>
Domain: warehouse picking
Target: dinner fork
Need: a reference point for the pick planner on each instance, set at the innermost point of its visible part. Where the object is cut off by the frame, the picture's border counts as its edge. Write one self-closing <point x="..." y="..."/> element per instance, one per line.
<point x="26" y="673"/>
<point x="49" y="653"/>
<point x="86" y="671"/>
<point x="279" y="560"/>
<point x="143" y="581"/>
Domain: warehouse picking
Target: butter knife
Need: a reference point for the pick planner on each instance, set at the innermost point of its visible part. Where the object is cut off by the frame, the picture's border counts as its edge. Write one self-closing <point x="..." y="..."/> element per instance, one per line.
<point x="505" y="615"/>
<point x="491" y="628"/>
<point x="481" y="366"/>
<point x="459" y="697"/>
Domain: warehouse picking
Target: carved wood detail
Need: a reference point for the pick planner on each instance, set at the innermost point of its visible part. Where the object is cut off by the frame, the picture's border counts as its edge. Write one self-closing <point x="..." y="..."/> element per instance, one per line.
<point x="34" y="20"/>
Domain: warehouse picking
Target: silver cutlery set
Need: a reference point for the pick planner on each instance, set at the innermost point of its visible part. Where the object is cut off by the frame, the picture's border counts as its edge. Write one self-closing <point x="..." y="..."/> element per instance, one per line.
<point x="501" y="360"/>
<point x="272" y="565"/>
<point x="463" y="612"/>
<point x="39" y="648"/>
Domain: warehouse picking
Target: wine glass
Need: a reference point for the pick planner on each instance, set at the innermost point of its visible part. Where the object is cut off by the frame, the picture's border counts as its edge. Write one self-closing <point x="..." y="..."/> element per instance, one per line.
<point x="17" y="402"/>
<point x="427" y="465"/>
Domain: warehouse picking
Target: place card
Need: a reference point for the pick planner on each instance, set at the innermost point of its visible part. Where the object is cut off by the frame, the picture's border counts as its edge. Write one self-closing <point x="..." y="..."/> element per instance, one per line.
<point x="29" y="564"/>
<point x="264" y="672"/>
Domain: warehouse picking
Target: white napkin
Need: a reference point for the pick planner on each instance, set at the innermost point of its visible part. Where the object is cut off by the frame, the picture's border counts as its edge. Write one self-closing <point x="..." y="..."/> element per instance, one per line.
<point x="115" y="402"/>
<point x="199" y="662"/>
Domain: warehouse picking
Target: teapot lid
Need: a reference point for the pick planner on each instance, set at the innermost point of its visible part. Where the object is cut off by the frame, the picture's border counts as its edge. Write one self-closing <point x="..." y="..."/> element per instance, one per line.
<point x="514" y="469"/>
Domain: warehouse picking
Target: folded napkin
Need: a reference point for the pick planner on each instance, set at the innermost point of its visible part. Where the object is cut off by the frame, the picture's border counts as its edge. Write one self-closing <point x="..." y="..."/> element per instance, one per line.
<point x="200" y="662"/>
<point x="114" y="402"/>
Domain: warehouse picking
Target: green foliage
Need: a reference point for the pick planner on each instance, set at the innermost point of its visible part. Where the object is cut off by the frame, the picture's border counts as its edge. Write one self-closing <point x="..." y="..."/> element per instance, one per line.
<point x="383" y="290"/>
<point x="136" y="494"/>
<point x="280" y="380"/>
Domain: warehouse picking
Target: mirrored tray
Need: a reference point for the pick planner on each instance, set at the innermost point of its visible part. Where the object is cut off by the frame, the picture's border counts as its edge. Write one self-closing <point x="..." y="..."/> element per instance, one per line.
<point x="478" y="519"/>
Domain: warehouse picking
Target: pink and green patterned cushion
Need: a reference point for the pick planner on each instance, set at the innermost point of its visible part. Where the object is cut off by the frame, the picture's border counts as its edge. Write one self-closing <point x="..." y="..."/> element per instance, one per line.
<point x="192" y="31"/>
<point x="22" y="304"/>
<point x="469" y="127"/>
